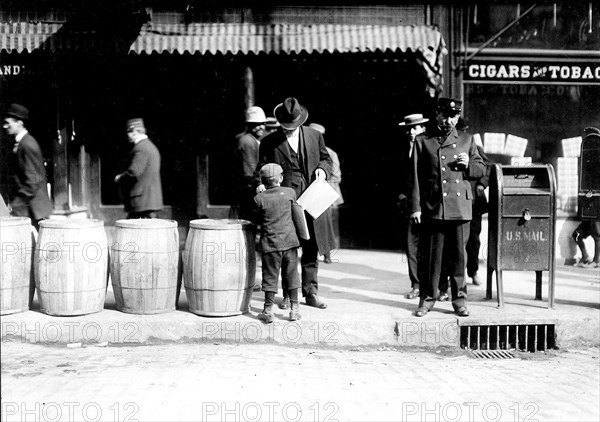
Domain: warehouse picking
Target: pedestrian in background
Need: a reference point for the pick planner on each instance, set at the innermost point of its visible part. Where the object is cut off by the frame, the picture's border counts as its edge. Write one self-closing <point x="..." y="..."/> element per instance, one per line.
<point x="278" y="241"/>
<point x="29" y="194"/>
<point x="245" y="160"/>
<point x="335" y="178"/>
<point x="413" y="124"/>
<point x="271" y="125"/>
<point x="301" y="152"/>
<point x="444" y="161"/>
<point x="584" y="230"/>
<point x="140" y="183"/>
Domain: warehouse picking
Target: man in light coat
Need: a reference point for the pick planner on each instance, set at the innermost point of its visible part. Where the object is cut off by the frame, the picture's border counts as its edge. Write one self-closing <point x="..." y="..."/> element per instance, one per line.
<point x="444" y="161"/>
<point x="301" y="152"/>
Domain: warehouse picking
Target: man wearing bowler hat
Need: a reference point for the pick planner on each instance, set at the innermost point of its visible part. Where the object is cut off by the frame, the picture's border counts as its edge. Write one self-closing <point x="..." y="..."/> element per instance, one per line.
<point x="444" y="161"/>
<point x="301" y="153"/>
<point x="29" y="197"/>
<point x="140" y="183"/>
<point x="413" y="124"/>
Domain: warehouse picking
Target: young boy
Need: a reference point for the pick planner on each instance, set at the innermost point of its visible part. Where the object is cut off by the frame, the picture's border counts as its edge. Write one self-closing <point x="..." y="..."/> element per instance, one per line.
<point x="279" y="241"/>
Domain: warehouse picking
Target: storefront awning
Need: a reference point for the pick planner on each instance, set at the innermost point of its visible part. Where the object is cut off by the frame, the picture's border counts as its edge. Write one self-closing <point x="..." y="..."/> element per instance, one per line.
<point x="229" y="38"/>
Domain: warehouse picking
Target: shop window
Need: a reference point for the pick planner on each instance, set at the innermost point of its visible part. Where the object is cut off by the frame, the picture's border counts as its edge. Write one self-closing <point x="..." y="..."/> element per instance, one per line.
<point x="547" y="26"/>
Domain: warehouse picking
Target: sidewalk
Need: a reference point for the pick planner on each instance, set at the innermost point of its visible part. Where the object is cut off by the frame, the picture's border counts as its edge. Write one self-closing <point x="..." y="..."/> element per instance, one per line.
<point x="364" y="291"/>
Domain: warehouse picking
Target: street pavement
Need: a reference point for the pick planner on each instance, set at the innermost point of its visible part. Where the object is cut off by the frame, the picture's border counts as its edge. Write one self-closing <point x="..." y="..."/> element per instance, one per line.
<point x="364" y="291"/>
<point x="258" y="382"/>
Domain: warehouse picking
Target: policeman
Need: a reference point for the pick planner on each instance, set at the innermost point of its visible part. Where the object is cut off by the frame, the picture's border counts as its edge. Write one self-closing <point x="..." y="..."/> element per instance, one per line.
<point x="444" y="161"/>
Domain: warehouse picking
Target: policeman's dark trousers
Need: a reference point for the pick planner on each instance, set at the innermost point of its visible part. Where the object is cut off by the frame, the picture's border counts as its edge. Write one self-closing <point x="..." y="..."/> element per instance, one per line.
<point x="412" y="251"/>
<point x="309" y="261"/>
<point x="443" y="241"/>
<point x="473" y="245"/>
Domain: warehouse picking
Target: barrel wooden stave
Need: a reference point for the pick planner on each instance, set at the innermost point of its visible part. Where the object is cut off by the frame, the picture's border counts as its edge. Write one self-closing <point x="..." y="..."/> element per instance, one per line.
<point x="71" y="267"/>
<point x="219" y="267"/>
<point x="16" y="274"/>
<point x="145" y="266"/>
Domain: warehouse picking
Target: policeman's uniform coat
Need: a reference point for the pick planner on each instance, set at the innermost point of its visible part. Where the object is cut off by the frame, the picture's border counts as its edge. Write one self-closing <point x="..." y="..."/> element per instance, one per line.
<point x="440" y="190"/>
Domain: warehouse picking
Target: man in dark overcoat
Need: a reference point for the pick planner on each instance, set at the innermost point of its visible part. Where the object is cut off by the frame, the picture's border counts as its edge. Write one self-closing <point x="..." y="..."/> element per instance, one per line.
<point x="444" y="161"/>
<point x="140" y="184"/>
<point x="30" y="195"/>
<point x="301" y="152"/>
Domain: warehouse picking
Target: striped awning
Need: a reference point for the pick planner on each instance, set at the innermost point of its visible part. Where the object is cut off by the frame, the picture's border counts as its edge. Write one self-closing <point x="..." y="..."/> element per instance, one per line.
<point x="233" y="38"/>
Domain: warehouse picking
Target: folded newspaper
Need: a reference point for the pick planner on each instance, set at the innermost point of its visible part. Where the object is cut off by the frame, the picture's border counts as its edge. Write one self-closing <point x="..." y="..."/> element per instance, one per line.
<point x="317" y="198"/>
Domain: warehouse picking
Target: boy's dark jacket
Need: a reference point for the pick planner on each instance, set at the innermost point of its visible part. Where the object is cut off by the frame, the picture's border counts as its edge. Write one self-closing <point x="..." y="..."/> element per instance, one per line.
<point x="274" y="213"/>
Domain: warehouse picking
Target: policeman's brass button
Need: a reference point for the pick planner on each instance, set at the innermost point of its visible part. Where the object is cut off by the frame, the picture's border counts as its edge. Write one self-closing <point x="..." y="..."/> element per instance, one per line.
<point x="443" y="168"/>
<point x="444" y="181"/>
<point x="457" y="181"/>
<point x="453" y="145"/>
<point x="443" y="157"/>
<point x="457" y="193"/>
<point x="455" y="156"/>
<point x="445" y="193"/>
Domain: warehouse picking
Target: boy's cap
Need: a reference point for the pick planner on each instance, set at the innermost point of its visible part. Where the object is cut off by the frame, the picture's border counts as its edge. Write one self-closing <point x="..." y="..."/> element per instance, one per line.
<point x="270" y="170"/>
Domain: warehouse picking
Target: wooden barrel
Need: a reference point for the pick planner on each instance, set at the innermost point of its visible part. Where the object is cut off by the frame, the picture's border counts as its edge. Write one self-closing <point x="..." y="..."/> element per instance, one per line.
<point x="144" y="265"/>
<point x="219" y="266"/>
<point x="71" y="266"/>
<point x="16" y="275"/>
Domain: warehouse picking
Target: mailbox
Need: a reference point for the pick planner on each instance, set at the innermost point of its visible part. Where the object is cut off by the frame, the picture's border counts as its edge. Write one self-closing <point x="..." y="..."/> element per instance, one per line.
<point x="521" y="222"/>
<point x="588" y="204"/>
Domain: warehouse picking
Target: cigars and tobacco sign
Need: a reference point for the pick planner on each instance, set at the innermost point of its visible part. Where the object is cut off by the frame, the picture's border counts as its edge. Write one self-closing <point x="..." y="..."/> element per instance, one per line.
<point x="531" y="72"/>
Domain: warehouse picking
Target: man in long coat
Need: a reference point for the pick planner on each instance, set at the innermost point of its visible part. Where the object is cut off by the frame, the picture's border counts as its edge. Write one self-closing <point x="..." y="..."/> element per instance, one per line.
<point x="301" y="152"/>
<point x="444" y="160"/>
<point x="30" y="196"/>
<point x="140" y="184"/>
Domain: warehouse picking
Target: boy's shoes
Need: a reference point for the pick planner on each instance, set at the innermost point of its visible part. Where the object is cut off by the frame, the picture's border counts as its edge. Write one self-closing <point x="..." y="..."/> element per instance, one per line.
<point x="413" y="294"/>
<point x="295" y="312"/>
<point x="462" y="311"/>
<point x="285" y="303"/>
<point x="421" y="311"/>
<point x="443" y="297"/>
<point x="314" y="301"/>
<point x="266" y="317"/>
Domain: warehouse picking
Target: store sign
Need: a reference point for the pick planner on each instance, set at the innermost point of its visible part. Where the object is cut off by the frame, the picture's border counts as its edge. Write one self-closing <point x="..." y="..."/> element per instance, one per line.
<point x="547" y="72"/>
<point x="11" y="70"/>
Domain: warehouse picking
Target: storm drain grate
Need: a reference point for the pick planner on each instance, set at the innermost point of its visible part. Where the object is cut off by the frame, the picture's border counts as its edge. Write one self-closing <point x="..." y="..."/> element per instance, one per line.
<point x="522" y="337"/>
<point x="493" y="354"/>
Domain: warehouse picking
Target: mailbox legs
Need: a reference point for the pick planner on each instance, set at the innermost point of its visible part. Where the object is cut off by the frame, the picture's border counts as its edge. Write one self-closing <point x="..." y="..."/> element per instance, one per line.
<point x="538" y="285"/>
<point x="499" y="286"/>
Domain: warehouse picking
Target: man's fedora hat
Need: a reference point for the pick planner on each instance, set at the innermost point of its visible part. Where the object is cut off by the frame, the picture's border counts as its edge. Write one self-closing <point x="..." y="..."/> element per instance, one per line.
<point x="17" y="111"/>
<point x="413" y="119"/>
<point x="255" y="114"/>
<point x="449" y="105"/>
<point x="290" y="114"/>
<point x="134" y="124"/>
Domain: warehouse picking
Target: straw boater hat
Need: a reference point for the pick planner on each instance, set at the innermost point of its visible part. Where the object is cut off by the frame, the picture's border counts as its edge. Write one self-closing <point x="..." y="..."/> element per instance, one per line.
<point x="290" y="114"/>
<point x="255" y="114"/>
<point x="413" y="119"/>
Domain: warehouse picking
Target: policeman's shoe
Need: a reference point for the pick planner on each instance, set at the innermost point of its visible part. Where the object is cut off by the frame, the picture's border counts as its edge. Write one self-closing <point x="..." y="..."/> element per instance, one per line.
<point x="584" y="263"/>
<point x="266" y="315"/>
<point x="285" y="303"/>
<point x="421" y="311"/>
<point x="314" y="301"/>
<point x="413" y="294"/>
<point x="462" y="311"/>
<point x="443" y="297"/>
<point x="476" y="280"/>
<point x="295" y="312"/>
